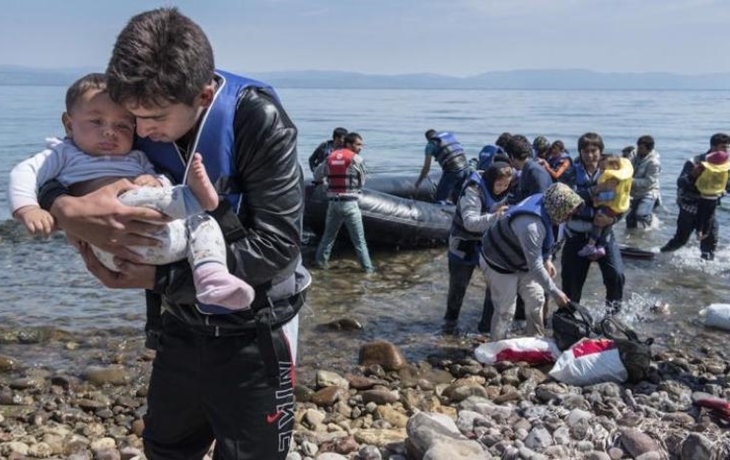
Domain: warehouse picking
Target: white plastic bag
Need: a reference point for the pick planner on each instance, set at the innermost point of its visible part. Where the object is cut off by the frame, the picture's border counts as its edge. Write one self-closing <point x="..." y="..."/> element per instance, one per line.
<point x="588" y="362"/>
<point x="717" y="315"/>
<point x="534" y="350"/>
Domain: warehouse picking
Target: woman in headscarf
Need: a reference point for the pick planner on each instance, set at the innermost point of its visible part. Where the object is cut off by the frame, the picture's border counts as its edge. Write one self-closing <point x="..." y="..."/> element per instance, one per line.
<point x="517" y="253"/>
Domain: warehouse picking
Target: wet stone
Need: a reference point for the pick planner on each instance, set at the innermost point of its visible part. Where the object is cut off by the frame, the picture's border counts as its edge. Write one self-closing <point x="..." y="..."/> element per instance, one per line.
<point x="383" y="353"/>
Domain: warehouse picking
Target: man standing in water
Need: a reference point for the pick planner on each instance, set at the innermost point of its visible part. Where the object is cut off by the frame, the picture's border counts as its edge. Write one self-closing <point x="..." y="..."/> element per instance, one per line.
<point x="324" y="149"/>
<point x="645" y="184"/>
<point x="449" y="154"/>
<point x="226" y="377"/>
<point x="345" y="173"/>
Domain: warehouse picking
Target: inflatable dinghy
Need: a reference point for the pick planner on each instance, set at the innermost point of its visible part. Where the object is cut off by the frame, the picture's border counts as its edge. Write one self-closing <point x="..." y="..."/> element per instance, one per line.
<point x="394" y="213"/>
<point x="629" y="252"/>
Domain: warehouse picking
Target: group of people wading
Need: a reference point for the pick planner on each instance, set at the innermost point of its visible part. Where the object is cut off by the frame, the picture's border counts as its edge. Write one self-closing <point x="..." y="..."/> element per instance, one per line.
<point x="509" y="210"/>
<point x="517" y="199"/>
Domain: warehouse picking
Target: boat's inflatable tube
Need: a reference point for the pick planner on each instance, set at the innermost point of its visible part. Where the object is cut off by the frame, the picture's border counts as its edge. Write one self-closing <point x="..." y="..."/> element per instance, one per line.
<point x="390" y="215"/>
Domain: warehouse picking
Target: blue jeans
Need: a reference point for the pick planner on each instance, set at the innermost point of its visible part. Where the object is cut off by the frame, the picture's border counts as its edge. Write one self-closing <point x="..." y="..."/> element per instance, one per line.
<point x="449" y="186"/>
<point x="640" y="212"/>
<point x="575" y="269"/>
<point x="347" y="212"/>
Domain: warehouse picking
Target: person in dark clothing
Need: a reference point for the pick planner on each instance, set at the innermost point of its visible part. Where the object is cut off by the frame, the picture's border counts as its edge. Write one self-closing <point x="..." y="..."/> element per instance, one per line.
<point x="578" y="229"/>
<point x="688" y="199"/>
<point x="324" y="149"/>
<point x="481" y="203"/>
<point x="533" y="177"/>
<point x="449" y="154"/>
<point x="225" y="377"/>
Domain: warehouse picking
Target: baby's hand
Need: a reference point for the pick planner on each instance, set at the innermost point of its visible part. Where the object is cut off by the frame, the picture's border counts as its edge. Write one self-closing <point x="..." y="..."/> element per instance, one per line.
<point x="147" y="180"/>
<point x="35" y="220"/>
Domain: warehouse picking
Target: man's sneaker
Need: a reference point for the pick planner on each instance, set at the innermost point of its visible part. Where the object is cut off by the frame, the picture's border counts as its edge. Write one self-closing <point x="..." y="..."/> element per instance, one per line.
<point x="587" y="251"/>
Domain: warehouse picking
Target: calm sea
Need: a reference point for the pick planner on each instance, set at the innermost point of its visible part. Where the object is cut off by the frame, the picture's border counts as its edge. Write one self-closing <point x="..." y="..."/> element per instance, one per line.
<point x="45" y="285"/>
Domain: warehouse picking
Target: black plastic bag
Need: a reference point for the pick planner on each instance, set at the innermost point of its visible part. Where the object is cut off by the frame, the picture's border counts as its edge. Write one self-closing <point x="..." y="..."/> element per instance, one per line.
<point x="570" y="324"/>
<point x="635" y="354"/>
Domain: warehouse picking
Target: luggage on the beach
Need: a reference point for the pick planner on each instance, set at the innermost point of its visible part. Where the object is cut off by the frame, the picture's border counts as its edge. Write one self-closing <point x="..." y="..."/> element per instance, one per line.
<point x="570" y="324"/>
<point x="588" y="362"/>
<point x="534" y="350"/>
<point x="717" y="315"/>
<point x="635" y="354"/>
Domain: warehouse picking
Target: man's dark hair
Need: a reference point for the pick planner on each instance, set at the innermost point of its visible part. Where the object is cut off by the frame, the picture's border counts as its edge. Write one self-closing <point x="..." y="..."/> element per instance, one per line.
<point x="351" y="138"/>
<point x="430" y="134"/>
<point x="719" y="138"/>
<point x="647" y="141"/>
<point x="160" y="57"/>
<point x="590" y="140"/>
<point x="339" y="132"/>
<point x="503" y="139"/>
<point x="518" y="147"/>
<point x="78" y="88"/>
<point x="558" y="145"/>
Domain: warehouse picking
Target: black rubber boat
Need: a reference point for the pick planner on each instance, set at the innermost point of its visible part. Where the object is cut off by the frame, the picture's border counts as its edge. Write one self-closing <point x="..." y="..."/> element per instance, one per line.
<point x="629" y="252"/>
<point x="394" y="213"/>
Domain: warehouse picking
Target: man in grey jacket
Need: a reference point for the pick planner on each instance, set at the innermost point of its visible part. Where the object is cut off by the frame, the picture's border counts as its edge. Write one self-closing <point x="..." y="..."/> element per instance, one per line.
<point x="645" y="185"/>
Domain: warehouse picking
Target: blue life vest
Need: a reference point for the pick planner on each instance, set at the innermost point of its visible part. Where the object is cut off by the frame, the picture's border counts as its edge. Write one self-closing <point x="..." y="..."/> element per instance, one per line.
<point x="214" y="141"/>
<point x="487" y="201"/>
<point x="501" y="245"/>
<point x="450" y="153"/>
<point x="470" y="242"/>
<point x="582" y="181"/>
<point x="486" y="156"/>
<point x="556" y="162"/>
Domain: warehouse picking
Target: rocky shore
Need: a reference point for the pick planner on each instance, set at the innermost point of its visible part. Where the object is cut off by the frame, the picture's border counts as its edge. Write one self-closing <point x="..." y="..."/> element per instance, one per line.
<point x="447" y="407"/>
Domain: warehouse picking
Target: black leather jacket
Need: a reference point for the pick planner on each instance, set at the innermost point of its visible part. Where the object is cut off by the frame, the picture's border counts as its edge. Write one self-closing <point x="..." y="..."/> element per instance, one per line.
<point x="270" y="177"/>
<point x="266" y="250"/>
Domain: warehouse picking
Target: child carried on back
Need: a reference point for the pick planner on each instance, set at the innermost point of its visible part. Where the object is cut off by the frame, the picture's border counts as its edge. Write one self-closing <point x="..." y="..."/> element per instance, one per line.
<point x="711" y="182"/>
<point x="611" y="199"/>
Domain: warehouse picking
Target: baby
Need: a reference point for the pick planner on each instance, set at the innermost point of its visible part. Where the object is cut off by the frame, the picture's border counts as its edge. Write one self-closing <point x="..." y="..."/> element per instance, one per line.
<point x="97" y="150"/>
<point x="611" y="199"/>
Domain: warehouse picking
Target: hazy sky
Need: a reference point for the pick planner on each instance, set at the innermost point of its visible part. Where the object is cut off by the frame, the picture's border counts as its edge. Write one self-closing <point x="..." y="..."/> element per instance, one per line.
<point x="450" y="37"/>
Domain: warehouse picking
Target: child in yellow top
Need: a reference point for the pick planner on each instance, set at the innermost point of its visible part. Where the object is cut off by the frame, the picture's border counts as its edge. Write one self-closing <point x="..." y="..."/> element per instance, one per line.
<point x="612" y="203"/>
<point x="712" y="176"/>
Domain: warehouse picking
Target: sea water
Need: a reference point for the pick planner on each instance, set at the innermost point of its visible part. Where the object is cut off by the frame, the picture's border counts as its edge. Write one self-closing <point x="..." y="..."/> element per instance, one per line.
<point x="44" y="283"/>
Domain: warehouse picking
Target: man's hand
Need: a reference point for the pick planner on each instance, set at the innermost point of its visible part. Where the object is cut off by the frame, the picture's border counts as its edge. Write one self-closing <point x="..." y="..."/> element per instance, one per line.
<point x="602" y="220"/>
<point x="697" y="170"/>
<point x="501" y="210"/>
<point x="99" y="218"/>
<point x="128" y="274"/>
<point x="561" y="299"/>
<point x="610" y="184"/>
<point x="147" y="180"/>
<point x="548" y="264"/>
<point x="35" y="220"/>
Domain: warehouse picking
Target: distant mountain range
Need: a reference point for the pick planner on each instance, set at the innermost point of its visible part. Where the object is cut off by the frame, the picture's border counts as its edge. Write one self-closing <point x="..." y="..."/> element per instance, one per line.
<point x="569" y="79"/>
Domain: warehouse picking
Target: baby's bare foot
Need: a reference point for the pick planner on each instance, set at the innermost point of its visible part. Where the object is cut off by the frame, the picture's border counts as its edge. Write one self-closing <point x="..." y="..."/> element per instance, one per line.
<point x="200" y="184"/>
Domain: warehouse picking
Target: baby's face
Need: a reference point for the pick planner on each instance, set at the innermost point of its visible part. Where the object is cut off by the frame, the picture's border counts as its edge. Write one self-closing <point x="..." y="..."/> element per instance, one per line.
<point x="98" y="126"/>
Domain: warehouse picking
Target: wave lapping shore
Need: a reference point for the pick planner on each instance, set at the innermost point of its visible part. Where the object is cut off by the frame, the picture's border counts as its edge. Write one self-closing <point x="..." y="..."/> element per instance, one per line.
<point x="448" y="406"/>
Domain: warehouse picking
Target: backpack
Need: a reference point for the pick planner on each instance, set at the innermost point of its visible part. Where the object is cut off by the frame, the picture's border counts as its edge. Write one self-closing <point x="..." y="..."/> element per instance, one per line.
<point x="570" y="324"/>
<point x="635" y="354"/>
